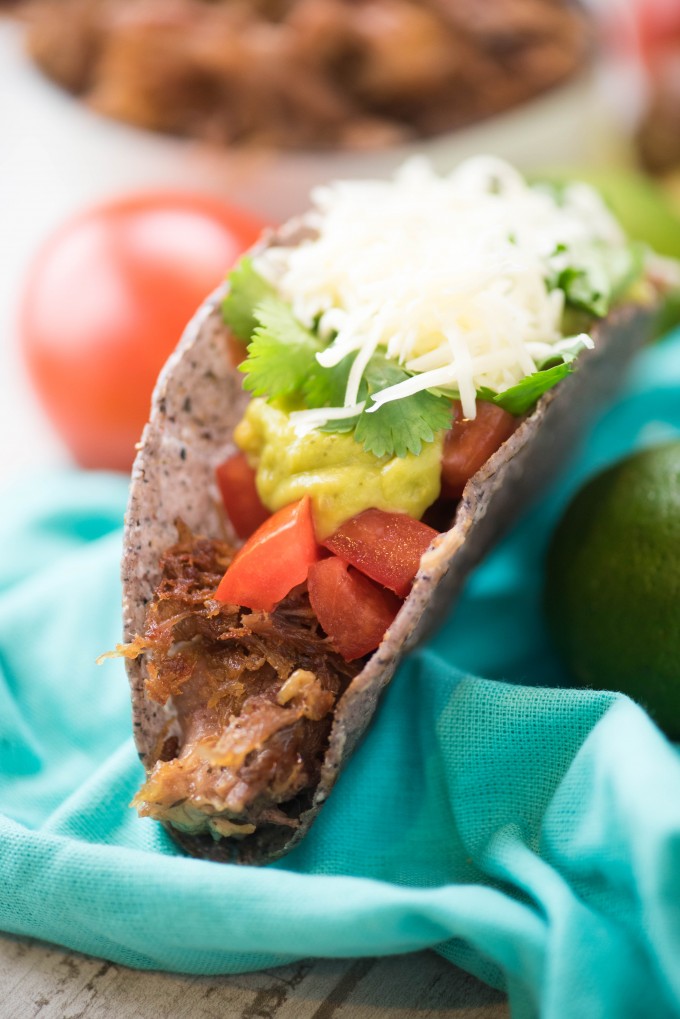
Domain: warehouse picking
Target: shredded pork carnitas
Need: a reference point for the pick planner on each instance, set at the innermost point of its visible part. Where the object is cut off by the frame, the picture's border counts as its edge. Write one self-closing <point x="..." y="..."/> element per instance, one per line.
<point x="253" y="694"/>
<point x="306" y="74"/>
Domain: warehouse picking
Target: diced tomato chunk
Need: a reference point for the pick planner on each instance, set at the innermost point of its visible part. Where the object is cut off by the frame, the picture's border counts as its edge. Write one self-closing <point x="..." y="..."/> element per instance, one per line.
<point x="469" y="444"/>
<point x="352" y="610"/>
<point x="236" y="481"/>
<point x="273" y="561"/>
<point x="237" y="349"/>
<point x="385" y="546"/>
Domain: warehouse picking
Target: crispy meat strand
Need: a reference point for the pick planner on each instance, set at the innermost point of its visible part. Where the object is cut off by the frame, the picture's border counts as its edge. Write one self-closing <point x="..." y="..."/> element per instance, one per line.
<point x="253" y="692"/>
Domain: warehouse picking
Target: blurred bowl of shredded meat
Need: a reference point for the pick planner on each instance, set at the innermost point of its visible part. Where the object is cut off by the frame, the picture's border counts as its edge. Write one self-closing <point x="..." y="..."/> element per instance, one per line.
<point x="265" y="98"/>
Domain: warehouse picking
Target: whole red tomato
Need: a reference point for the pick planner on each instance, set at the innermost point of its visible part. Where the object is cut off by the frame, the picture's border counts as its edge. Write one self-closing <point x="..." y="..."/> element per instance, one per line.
<point x="106" y="301"/>
<point x="658" y="26"/>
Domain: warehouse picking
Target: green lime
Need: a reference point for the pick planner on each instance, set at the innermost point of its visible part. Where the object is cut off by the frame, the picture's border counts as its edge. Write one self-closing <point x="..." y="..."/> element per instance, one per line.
<point x="612" y="592"/>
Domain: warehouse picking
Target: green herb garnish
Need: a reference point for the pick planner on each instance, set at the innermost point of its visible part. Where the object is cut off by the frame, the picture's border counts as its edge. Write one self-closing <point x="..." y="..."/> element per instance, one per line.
<point x="281" y="352"/>
<point x="520" y="398"/>
<point x="597" y="279"/>
<point x="398" y="427"/>
<point x="247" y="289"/>
<point x="282" y="360"/>
<point x="282" y="364"/>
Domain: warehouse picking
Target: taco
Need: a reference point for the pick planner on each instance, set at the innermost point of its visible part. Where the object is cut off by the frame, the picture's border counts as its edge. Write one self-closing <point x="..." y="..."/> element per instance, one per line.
<point x="424" y="347"/>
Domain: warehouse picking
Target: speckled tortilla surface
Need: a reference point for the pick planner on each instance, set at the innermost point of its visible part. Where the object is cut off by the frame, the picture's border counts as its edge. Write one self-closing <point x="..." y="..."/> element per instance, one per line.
<point x="197" y="403"/>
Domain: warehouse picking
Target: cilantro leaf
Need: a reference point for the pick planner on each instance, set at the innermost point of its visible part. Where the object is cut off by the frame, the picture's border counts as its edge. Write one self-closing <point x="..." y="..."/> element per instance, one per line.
<point x="247" y="289"/>
<point x="521" y="397"/>
<point x="566" y="350"/>
<point x="402" y="426"/>
<point x="600" y="277"/>
<point x="281" y="354"/>
<point x="585" y="289"/>
<point x="282" y="360"/>
<point x="341" y="426"/>
<point x="399" y="427"/>
<point x="325" y="387"/>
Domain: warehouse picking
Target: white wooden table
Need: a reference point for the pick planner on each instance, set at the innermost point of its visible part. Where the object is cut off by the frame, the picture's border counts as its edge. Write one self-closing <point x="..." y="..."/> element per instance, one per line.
<point x="38" y="980"/>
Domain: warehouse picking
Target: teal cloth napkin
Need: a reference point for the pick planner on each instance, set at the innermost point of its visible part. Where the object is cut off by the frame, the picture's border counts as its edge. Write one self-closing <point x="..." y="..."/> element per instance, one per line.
<point x="530" y="834"/>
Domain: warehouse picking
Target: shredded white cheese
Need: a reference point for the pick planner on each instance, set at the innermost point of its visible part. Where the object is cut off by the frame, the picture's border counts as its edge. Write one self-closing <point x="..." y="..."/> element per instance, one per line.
<point x="447" y="275"/>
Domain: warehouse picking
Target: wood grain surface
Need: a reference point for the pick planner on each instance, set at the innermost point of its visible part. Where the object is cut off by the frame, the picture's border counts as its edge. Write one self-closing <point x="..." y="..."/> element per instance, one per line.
<point x="39" y="981"/>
